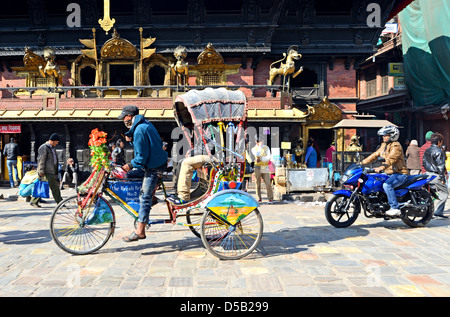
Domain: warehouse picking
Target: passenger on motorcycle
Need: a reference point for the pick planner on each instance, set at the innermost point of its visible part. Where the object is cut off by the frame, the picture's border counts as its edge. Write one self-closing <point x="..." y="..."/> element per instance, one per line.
<point x="394" y="165"/>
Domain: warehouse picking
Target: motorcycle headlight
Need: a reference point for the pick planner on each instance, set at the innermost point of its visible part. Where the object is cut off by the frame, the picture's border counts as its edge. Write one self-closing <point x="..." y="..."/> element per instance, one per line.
<point x="344" y="178"/>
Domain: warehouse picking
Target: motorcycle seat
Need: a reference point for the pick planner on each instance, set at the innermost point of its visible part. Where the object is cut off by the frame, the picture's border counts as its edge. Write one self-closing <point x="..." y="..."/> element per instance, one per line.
<point x="411" y="180"/>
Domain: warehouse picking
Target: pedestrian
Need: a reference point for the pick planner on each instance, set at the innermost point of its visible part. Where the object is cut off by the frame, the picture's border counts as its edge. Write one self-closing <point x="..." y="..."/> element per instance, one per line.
<point x="329" y="161"/>
<point x="447" y="166"/>
<point x="70" y="173"/>
<point x="412" y="158"/>
<point x="423" y="149"/>
<point x="261" y="153"/>
<point x="434" y="164"/>
<point x="248" y="170"/>
<point x="394" y="165"/>
<point x="311" y="155"/>
<point x="11" y="152"/>
<point x="48" y="168"/>
<point x="317" y="149"/>
<point x="118" y="154"/>
<point x="148" y="155"/>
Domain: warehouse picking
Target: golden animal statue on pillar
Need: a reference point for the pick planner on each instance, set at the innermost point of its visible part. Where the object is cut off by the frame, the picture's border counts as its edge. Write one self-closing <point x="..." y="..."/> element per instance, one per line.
<point x="286" y="68"/>
<point x="180" y="70"/>
<point x="50" y="69"/>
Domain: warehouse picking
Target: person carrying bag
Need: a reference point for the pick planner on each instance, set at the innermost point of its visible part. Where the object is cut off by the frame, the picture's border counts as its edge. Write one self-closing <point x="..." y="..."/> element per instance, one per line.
<point x="48" y="168"/>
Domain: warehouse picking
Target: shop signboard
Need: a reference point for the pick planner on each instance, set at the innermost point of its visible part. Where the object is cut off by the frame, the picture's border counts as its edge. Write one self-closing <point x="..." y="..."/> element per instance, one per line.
<point x="399" y="83"/>
<point x="396" y="69"/>
<point x="10" y="128"/>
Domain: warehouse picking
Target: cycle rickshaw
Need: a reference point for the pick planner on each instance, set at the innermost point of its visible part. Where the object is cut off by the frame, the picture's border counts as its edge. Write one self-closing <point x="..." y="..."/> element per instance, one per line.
<point x="225" y="218"/>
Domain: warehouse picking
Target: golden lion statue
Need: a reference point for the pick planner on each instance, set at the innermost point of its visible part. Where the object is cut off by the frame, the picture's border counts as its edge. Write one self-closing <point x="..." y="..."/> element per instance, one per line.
<point x="286" y="68"/>
<point x="180" y="68"/>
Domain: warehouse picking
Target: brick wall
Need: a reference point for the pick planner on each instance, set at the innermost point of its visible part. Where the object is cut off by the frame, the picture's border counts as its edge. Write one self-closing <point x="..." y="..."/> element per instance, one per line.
<point x="341" y="82"/>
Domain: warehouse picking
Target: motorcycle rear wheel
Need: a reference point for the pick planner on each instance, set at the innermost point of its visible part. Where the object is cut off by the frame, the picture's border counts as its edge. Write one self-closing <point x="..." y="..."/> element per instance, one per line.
<point x="336" y="214"/>
<point x="419" y="222"/>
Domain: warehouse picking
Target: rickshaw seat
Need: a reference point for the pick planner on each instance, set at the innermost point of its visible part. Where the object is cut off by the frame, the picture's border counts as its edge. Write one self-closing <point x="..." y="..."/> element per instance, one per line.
<point x="203" y="181"/>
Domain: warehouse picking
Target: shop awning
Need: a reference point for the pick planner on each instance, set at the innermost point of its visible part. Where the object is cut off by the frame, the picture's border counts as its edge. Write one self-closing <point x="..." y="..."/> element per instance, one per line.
<point x="354" y="124"/>
<point x="277" y="115"/>
<point x="78" y="114"/>
<point x="152" y="114"/>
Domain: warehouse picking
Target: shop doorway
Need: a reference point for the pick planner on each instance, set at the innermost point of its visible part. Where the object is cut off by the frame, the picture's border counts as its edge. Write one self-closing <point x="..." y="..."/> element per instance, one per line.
<point x="5" y="138"/>
<point x="323" y="137"/>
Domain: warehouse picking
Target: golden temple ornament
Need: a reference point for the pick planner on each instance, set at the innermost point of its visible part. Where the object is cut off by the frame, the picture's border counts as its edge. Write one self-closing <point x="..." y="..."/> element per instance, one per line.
<point x="106" y="23"/>
<point x="286" y="68"/>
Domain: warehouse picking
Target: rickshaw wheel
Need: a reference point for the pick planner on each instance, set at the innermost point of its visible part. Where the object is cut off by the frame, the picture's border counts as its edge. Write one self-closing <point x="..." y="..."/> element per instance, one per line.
<point x="231" y="242"/>
<point x="74" y="235"/>
<point x="194" y="220"/>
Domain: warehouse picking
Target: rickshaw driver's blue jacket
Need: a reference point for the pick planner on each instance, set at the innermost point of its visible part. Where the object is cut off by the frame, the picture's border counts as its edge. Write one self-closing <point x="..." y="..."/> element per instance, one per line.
<point x="148" y="148"/>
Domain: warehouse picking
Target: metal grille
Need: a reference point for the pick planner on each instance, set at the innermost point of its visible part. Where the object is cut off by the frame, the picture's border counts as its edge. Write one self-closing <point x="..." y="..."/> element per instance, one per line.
<point x="41" y="82"/>
<point x="210" y="80"/>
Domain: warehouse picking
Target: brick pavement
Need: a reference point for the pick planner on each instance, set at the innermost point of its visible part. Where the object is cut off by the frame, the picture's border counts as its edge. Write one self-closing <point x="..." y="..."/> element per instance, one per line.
<point x="300" y="255"/>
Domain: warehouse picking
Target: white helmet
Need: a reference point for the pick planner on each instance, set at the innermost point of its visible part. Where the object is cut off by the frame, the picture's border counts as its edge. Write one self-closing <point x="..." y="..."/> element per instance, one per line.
<point x="390" y="130"/>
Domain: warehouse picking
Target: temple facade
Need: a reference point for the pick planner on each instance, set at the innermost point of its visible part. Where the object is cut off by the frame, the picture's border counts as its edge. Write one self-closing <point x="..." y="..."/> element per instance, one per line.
<point x="69" y="67"/>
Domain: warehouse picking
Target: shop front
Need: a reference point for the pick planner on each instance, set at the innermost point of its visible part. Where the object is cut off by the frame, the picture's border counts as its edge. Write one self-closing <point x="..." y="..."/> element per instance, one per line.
<point x="292" y="173"/>
<point x="8" y="131"/>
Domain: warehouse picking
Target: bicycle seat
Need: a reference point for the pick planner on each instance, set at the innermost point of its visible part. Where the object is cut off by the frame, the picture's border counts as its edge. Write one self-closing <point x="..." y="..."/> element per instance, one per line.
<point x="411" y="180"/>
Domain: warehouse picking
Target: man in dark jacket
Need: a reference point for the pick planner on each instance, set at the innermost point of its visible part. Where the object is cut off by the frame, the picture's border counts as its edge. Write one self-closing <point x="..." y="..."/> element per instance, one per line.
<point x="434" y="164"/>
<point x="11" y="151"/>
<point x="148" y="155"/>
<point x="48" y="168"/>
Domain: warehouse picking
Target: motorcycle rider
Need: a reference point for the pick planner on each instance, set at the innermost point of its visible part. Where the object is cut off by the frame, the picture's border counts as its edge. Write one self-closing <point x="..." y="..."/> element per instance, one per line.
<point x="394" y="165"/>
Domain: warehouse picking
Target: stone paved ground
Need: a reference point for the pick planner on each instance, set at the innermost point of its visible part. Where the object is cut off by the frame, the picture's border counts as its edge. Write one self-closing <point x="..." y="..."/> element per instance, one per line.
<point x="300" y="255"/>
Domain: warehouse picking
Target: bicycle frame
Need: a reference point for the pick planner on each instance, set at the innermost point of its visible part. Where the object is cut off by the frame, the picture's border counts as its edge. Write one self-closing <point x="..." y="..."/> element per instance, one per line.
<point x="175" y="211"/>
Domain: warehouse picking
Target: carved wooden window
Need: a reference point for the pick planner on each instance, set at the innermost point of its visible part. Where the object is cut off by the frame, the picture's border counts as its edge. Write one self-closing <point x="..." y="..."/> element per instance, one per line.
<point x="156" y="75"/>
<point x="384" y="79"/>
<point x="371" y="82"/>
<point x="87" y="76"/>
<point x="121" y="75"/>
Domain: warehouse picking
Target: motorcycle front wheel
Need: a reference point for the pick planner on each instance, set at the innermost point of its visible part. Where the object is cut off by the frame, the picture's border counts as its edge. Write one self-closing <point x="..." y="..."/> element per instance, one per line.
<point x="341" y="213"/>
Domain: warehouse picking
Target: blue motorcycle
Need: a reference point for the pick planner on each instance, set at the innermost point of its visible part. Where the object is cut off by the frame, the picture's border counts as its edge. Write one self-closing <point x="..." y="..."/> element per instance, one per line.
<point x="364" y="188"/>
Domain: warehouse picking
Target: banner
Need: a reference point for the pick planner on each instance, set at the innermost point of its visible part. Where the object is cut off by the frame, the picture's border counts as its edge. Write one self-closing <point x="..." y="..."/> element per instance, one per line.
<point x="10" y="128"/>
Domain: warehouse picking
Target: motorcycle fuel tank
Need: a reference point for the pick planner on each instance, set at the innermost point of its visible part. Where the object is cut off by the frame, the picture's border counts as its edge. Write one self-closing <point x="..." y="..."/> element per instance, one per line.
<point x="374" y="183"/>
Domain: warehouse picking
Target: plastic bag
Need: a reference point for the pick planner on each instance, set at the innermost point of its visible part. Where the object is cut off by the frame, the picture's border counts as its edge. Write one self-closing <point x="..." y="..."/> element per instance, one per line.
<point x="101" y="214"/>
<point x="41" y="190"/>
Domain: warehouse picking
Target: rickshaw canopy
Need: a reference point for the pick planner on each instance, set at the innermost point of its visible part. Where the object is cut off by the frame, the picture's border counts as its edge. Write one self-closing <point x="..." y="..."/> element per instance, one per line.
<point x="197" y="107"/>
